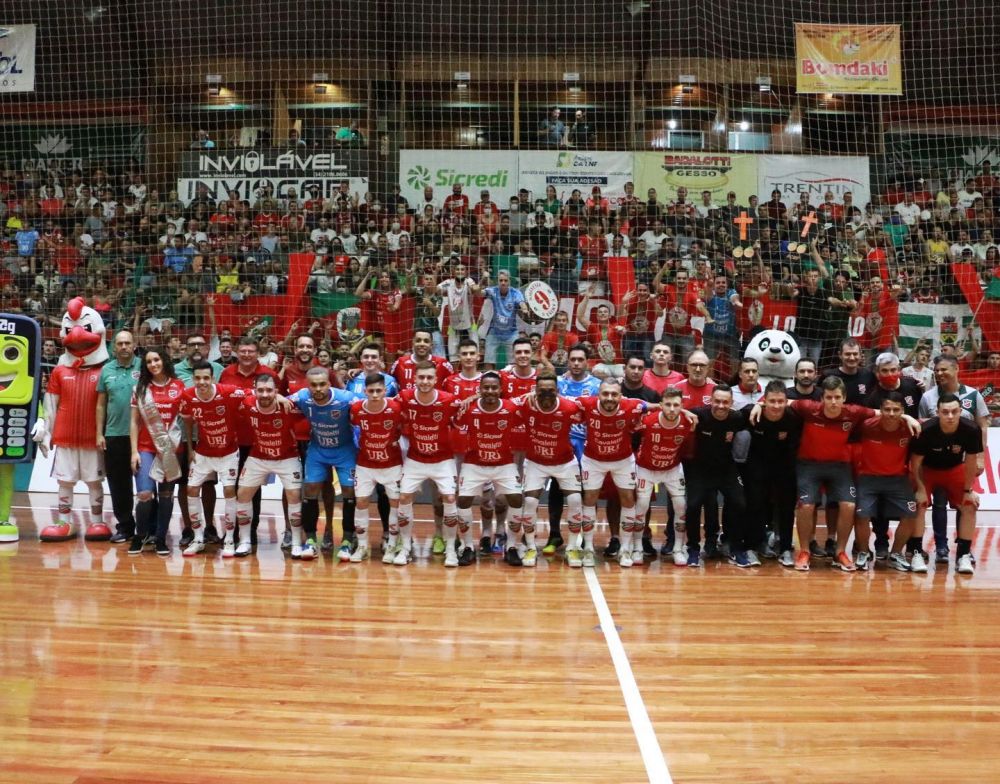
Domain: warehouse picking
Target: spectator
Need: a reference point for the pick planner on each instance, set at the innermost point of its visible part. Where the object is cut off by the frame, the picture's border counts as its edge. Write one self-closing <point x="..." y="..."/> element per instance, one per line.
<point x="552" y="130"/>
<point x="202" y="141"/>
<point x="581" y="133"/>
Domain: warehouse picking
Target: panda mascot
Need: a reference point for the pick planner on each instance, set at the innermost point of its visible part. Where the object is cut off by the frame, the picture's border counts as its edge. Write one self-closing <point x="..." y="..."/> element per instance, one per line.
<point x="777" y="353"/>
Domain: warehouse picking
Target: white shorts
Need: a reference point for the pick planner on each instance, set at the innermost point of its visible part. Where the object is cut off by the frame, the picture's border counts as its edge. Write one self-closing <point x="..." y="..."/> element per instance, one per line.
<point x="567" y="475"/>
<point x="255" y="472"/>
<point x="476" y="479"/>
<point x="71" y="464"/>
<point x="415" y="473"/>
<point x="225" y="468"/>
<point x="594" y="471"/>
<point x="365" y="480"/>
<point x="671" y="478"/>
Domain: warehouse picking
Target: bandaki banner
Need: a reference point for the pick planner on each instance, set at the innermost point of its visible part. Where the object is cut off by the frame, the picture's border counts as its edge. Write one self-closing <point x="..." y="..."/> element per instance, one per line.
<point x="17" y="59"/>
<point x="815" y="175"/>
<point x="718" y="173"/>
<point x="568" y="170"/>
<point x="831" y="58"/>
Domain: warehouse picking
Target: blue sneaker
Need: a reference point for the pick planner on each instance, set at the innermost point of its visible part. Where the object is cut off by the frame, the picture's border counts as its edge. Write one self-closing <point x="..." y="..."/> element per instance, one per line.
<point x="499" y="544"/>
<point x="694" y="558"/>
<point x="740" y="558"/>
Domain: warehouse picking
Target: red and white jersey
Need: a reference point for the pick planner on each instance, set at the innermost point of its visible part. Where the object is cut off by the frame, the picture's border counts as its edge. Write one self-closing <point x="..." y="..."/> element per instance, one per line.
<point x="692" y="396"/>
<point x="609" y="436"/>
<point x="513" y="385"/>
<point x="404" y="370"/>
<point x="550" y="430"/>
<point x="490" y="433"/>
<point x="233" y="376"/>
<point x="884" y="452"/>
<point x="167" y="398"/>
<point x="378" y="434"/>
<point x="662" y="445"/>
<point x="428" y="425"/>
<point x="273" y="434"/>
<point x="216" y="419"/>
<point x="462" y="388"/>
<point x="76" y="424"/>
<point x="824" y="439"/>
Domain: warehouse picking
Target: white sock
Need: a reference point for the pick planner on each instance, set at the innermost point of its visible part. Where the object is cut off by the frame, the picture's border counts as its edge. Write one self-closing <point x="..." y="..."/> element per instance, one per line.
<point x="295" y="523"/>
<point x="465" y="526"/>
<point x="361" y="526"/>
<point x="65" y="508"/>
<point x="404" y="519"/>
<point x="194" y="512"/>
<point x="229" y="519"/>
<point x="589" y="521"/>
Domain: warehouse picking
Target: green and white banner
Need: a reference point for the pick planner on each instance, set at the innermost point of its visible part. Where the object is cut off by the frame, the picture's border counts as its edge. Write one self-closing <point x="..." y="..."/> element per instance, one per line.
<point x="475" y="170"/>
<point x="934" y="325"/>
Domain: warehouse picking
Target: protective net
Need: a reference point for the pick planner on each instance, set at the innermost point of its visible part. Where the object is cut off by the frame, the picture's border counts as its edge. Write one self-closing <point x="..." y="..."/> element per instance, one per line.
<point x="256" y="166"/>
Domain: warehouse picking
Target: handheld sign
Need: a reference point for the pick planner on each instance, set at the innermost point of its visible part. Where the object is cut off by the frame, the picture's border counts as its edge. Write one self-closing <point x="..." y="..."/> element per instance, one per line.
<point x="541" y="299"/>
<point x="20" y="384"/>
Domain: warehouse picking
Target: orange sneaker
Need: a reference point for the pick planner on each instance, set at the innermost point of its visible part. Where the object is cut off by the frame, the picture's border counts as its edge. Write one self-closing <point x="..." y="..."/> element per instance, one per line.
<point x="802" y="561"/>
<point x="844" y="562"/>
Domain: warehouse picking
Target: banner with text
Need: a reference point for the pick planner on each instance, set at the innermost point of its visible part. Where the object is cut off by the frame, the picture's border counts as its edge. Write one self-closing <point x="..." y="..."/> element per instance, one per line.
<point x="568" y="170"/>
<point x="815" y="175"/>
<point x="832" y="58"/>
<point x="719" y="173"/>
<point x="17" y="59"/>
<point x="932" y="325"/>
<point x="475" y="170"/>
<point x="67" y="147"/>
<point x="251" y="188"/>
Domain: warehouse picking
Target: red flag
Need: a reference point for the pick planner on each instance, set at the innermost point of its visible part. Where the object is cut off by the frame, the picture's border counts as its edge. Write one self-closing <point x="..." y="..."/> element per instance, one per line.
<point x="621" y="276"/>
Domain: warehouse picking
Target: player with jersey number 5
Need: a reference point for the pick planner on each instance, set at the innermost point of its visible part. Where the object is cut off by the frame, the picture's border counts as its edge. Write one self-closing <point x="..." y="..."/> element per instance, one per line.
<point x="379" y="422"/>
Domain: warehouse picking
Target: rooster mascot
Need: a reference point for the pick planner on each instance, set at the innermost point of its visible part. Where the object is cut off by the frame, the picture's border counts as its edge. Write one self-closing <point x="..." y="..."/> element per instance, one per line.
<point x="70" y="422"/>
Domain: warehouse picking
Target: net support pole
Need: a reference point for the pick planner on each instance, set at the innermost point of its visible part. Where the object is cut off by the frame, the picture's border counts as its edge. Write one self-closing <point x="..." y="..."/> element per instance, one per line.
<point x="517" y="114"/>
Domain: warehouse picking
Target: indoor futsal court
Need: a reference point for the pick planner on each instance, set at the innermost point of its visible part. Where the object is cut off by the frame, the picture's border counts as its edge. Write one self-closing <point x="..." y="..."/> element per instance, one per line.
<point x="262" y="669"/>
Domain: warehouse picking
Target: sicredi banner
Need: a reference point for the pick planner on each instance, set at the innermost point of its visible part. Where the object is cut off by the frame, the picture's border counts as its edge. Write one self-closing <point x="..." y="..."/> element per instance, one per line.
<point x="718" y="173"/>
<point x="475" y="170"/>
<point x="569" y="170"/>
<point x="815" y="175"/>
<point x="251" y="189"/>
<point x="17" y="59"/>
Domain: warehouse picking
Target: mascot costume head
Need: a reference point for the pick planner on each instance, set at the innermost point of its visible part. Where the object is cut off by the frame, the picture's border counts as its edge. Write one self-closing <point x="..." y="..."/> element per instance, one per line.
<point x="776" y="352"/>
<point x="83" y="336"/>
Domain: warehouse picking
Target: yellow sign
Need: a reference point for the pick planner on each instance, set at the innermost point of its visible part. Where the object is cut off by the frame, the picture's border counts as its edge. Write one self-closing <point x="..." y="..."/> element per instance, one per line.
<point x="848" y="59"/>
<point x="697" y="171"/>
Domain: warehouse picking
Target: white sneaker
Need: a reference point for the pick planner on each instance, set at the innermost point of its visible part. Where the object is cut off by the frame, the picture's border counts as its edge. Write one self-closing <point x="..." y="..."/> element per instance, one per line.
<point x="625" y="559"/>
<point x="964" y="565"/>
<point x="389" y="553"/>
<point x="530" y="557"/>
<point x="228" y="550"/>
<point x="574" y="558"/>
<point x="360" y="554"/>
<point x="863" y="560"/>
<point x="589" y="559"/>
<point x="638" y="556"/>
<point x="451" y="558"/>
<point x="308" y="550"/>
<point x="918" y="563"/>
<point x="344" y="552"/>
<point x="786" y="559"/>
<point x="402" y="555"/>
<point x="194" y="548"/>
<point x="296" y="551"/>
<point x="244" y="548"/>
<point x="680" y="556"/>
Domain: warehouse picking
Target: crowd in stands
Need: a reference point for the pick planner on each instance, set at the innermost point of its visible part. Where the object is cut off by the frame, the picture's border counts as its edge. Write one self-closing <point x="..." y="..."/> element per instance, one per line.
<point x="146" y="261"/>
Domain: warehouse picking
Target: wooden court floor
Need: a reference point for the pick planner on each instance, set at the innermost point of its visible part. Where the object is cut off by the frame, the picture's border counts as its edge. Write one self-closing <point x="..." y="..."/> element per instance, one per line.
<point x="119" y="669"/>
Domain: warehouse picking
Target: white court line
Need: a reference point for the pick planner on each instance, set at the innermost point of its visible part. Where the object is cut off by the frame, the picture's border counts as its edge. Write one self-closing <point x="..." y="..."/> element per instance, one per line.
<point x="649" y="746"/>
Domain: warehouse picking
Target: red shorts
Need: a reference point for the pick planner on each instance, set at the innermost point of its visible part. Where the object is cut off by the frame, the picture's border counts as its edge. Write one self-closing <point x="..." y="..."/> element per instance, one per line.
<point x="951" y="480"/>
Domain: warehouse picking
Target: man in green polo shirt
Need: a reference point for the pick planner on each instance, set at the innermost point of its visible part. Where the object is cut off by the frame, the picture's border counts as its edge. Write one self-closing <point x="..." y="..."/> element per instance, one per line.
<point x="195" y="351"/>
<point x="114" y="413"/>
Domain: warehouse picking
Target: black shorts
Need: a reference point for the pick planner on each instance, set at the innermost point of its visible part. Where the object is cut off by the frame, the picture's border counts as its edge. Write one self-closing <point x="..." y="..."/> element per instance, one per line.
<point x="890" y="496"/>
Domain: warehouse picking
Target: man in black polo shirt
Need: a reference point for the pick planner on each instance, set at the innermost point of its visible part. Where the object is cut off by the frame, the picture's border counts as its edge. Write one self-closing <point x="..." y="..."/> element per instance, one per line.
<point x="769" y="476"/>
<point x="713" y="470"/>
<point x="945" y="457"/>
<point x="805" y="387"/>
